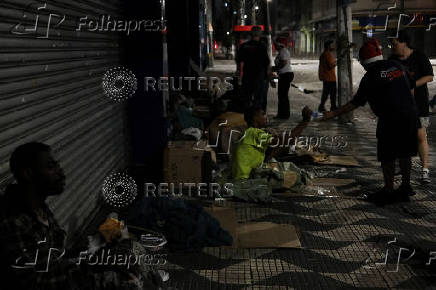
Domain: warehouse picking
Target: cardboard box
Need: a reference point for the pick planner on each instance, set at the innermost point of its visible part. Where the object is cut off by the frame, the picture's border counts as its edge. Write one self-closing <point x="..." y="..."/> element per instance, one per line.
<point x="187" y="162"/>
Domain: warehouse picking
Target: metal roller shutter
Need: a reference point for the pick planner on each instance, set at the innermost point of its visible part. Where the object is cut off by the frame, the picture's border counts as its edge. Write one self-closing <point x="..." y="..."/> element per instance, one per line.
<point x="50" y="91"/>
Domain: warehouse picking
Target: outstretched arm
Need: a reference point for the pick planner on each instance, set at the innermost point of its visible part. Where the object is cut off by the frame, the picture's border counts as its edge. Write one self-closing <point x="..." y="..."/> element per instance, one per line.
<point x="340" y="111"/>
<point x="284" y="140"/>
<point x="306" y="114"/>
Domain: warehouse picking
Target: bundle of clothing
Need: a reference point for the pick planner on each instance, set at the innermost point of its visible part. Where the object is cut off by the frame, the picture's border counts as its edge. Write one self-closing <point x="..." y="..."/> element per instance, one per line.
<point x="266" y="179"/>
<point x="186" y="226"/>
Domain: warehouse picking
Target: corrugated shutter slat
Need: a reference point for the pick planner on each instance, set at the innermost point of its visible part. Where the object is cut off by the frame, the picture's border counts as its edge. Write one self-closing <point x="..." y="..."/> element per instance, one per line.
<point x="50" y="91"/>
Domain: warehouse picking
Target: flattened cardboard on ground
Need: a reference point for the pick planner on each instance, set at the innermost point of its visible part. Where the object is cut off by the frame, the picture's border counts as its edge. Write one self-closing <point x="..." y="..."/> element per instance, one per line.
<point x="255" y="234"/>
<point x="289" y="179"/>
<point x="267" y="235"/>
<point x="340" y="161"/>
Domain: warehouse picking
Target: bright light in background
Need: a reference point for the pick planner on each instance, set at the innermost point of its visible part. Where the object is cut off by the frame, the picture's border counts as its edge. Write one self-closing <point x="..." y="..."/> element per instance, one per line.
<point x="225" y="4"/>
<point x="245" y="16"/>
<point x="235" y="12"/>
<point x="228" y="33"/>
<point x="256" y="7"/>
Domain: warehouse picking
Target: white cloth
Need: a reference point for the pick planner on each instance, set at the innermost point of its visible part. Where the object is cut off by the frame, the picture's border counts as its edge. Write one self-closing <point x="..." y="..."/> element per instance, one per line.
<point x="285" y="55"/>
<point x="195" y="132"/>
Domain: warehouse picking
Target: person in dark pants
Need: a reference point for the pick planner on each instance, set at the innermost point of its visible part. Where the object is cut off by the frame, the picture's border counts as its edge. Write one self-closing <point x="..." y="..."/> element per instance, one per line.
<point x="388" y="89"/>
<point x="420" y="68"/>
<point x="267" y="82"/>
<point x="286" y="76"/>
<point x="255" y="70"/>
<point x="327" y="74"/>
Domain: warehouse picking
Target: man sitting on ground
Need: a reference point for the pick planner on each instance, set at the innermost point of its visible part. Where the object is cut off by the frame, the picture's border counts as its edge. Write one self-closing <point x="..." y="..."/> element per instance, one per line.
<point x="29" y="229"/>
<point x="251" y="150"/>
<point x="32" y="249"/>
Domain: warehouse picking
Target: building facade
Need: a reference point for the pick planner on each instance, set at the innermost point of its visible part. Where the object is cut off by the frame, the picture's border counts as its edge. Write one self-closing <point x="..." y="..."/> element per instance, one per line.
<point x="310" y="23"/>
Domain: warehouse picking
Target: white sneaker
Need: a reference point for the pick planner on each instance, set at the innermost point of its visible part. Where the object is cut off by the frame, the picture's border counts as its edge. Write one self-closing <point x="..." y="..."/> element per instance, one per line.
<point x="425" y="175"/>
<point x="164" y="275"/>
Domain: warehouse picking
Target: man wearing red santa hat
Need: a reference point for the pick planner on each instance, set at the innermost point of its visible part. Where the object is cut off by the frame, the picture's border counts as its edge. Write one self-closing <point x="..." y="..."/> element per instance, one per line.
<point x="388" y="89"/>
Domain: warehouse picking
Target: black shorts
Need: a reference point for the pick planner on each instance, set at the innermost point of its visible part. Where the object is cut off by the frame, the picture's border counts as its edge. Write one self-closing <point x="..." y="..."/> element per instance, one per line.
<point x="390" y="149"/>
<point x="397" y="140"/>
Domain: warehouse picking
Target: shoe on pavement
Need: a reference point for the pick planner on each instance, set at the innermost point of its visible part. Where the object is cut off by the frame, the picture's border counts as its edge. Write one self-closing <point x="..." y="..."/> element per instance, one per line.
<point x="384" y="197"/>
<point x="425" y="178"/>
<point x="405" y="190"/>
<point x="164" y="275"/>
<point x="380" y="197"/>
<point x="401" y="196"/>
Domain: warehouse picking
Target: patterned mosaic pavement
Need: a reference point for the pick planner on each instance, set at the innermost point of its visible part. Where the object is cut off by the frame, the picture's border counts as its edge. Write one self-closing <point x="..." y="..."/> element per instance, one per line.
<point x="345" y="240"/>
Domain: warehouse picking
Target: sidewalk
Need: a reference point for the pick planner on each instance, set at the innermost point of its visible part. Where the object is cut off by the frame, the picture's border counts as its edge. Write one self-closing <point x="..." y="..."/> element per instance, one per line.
<point x="344" y="239"/>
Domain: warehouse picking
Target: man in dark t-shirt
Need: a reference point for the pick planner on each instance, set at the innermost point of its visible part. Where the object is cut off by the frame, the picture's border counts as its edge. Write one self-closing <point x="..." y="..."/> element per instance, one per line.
<point x="388" y="90"/>
<point x="254" y="63"/>
<point x="420" y="68"/>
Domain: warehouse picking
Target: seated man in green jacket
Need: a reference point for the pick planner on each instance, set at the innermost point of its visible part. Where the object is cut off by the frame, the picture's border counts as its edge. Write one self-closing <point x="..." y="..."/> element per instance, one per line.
<point x="252" y="149"/>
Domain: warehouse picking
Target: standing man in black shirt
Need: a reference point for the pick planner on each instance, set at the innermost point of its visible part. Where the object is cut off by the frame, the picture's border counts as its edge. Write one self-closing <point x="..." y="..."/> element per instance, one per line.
<point x="255" y="70"/>
<point x="419" y="67"/>
<point x="387" y="88"/>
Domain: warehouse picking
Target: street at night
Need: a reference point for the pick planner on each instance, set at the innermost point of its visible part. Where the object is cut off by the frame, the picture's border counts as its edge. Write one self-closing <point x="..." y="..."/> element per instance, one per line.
<point x="217" y="144"/>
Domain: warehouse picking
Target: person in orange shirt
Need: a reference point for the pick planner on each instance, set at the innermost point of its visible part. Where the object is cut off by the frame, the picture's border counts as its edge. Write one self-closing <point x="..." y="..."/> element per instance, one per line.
<point x="327" y="74"/>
